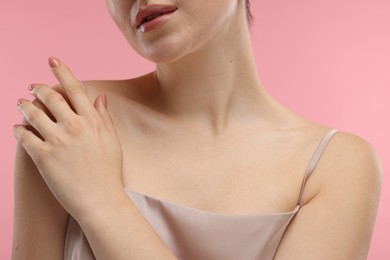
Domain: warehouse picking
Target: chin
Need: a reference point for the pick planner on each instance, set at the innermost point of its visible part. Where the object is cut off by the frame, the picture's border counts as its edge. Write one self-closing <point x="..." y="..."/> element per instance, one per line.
<point x="163" y="57"/>
<point x="164" y="52"/>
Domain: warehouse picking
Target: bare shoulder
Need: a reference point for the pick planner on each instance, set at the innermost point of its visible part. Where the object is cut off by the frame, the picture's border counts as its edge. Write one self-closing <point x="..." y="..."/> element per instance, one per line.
<point x="352" y="159"/>
<point x="134" y="88"/>
<point x="349" y="168"/>
<point x="338" y="213"/>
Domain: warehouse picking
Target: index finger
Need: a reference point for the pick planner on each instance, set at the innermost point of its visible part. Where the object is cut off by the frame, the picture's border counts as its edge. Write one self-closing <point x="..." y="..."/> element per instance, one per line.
<point x="74" y="90"/>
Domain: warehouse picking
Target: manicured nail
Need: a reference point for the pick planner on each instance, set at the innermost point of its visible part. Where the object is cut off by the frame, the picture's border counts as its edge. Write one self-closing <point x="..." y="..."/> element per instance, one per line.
<point x="16" y="126"/>
<point x="104" y="99"/>
<point x="53" y="62"/>
<point x="20" y="101"/>
<point x="31" y="87"/>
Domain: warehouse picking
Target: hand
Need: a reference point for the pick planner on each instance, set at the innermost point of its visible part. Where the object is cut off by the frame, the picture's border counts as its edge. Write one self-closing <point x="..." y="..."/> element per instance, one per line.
<point x="77" y="151"/>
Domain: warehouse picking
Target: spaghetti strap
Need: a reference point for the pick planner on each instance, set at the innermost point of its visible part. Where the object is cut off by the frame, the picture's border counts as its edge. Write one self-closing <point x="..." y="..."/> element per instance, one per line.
<point x="314" y="160"/>
<point x="82" y="84"/>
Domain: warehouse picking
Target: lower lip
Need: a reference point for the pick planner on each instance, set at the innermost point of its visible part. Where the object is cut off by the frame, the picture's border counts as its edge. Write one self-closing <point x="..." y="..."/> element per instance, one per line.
<point x="155" y="23"/>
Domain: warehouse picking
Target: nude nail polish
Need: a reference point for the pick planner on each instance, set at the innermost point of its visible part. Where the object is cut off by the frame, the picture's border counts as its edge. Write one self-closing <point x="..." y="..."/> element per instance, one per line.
<point x="104" y="99"/>
<point x="53" y="62"/>
<point x="16" y="126"/>
<point x="31" y="87"/>
<point x="20" y="101"/>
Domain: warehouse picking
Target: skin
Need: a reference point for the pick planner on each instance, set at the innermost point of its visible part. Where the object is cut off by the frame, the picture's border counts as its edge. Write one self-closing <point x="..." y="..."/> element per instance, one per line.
<point x="227" y="145"/>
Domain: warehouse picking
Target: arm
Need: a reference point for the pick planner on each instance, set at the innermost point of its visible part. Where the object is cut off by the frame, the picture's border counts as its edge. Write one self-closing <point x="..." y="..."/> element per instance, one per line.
<point x="39" y="220"/>
<point x="126" y="233"/>
<point x="80" y="160"/>
<point x="339" y="205"/>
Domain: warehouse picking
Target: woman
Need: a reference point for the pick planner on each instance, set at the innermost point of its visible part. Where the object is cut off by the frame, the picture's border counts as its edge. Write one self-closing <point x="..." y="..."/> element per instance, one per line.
<point x="192" y="161"/>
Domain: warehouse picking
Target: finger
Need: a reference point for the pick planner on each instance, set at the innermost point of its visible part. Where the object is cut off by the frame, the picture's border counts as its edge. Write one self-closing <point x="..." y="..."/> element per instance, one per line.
<point x="72" y="87"/>
<point x="101" y="106"/>
<point x="36" y="118"/>
<point x="29" y="141"/>
<point x="52" y="100"/>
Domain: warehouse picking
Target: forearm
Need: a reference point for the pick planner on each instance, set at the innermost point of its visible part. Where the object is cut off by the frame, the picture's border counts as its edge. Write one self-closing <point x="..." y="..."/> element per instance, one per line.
<point x="119" y="231"/>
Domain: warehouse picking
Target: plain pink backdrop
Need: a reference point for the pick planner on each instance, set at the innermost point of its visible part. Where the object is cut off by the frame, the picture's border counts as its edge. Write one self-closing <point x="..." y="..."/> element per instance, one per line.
<point x="326" y="60"/>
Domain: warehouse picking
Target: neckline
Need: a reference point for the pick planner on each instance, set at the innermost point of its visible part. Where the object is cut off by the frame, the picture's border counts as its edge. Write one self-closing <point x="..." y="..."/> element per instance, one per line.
<point x="210" y="213"/>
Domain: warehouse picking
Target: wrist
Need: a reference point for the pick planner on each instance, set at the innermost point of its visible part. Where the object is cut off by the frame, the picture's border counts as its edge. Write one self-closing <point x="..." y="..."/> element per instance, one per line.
<point x="102" y="208"/>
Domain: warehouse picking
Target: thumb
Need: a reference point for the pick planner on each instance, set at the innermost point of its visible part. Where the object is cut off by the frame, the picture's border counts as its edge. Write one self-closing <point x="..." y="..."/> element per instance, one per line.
<point x="100" y="105"/>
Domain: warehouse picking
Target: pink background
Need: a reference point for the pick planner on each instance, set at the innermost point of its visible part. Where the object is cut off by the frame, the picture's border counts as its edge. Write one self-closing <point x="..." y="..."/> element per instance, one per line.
<point x="326" y="60"/>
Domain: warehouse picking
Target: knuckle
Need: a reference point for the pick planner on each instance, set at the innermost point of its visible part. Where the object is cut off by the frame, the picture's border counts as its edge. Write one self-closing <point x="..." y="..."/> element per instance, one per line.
<point x="53" y="98"/>
<point x="23" y="139"/>
<point x="58" y="140"/>
<point x="42" y="155"/>
<point x="75" y="89"/>
<point x="74" y="126"/>
<point x="35" y="115"/>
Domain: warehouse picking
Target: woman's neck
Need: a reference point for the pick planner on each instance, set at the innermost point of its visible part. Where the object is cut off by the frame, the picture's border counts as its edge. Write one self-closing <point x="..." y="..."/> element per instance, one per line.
<point x="213" y="86"/>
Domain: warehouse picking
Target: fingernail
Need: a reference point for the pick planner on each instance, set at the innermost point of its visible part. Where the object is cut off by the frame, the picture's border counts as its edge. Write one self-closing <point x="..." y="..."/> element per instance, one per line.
<point x="16" y="126"/>
<point x="31" y="87"/>
<point x="53" y="62"/>
<point x="104" y="99"/>
<point x="20" y="101"/>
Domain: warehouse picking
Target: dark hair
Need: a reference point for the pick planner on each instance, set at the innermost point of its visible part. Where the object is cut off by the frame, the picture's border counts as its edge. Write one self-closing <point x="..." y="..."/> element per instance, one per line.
<point x="248" y="11"/>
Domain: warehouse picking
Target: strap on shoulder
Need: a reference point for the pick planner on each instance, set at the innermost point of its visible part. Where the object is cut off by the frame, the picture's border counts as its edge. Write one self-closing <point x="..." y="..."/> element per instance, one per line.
<point x="314" y="160"/>
<point x="82" y="84"/>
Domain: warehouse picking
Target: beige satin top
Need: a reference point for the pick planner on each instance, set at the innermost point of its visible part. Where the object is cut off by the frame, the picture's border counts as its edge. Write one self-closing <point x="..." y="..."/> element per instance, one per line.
<point x="193" y="234"/>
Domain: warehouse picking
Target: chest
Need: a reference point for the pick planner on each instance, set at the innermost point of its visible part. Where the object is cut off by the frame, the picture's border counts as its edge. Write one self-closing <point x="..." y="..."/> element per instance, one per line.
<point x="237" y="176"/>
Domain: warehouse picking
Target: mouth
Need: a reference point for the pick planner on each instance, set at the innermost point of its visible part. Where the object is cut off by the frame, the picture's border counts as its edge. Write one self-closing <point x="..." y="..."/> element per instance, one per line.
<point x="152" y="12"/>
